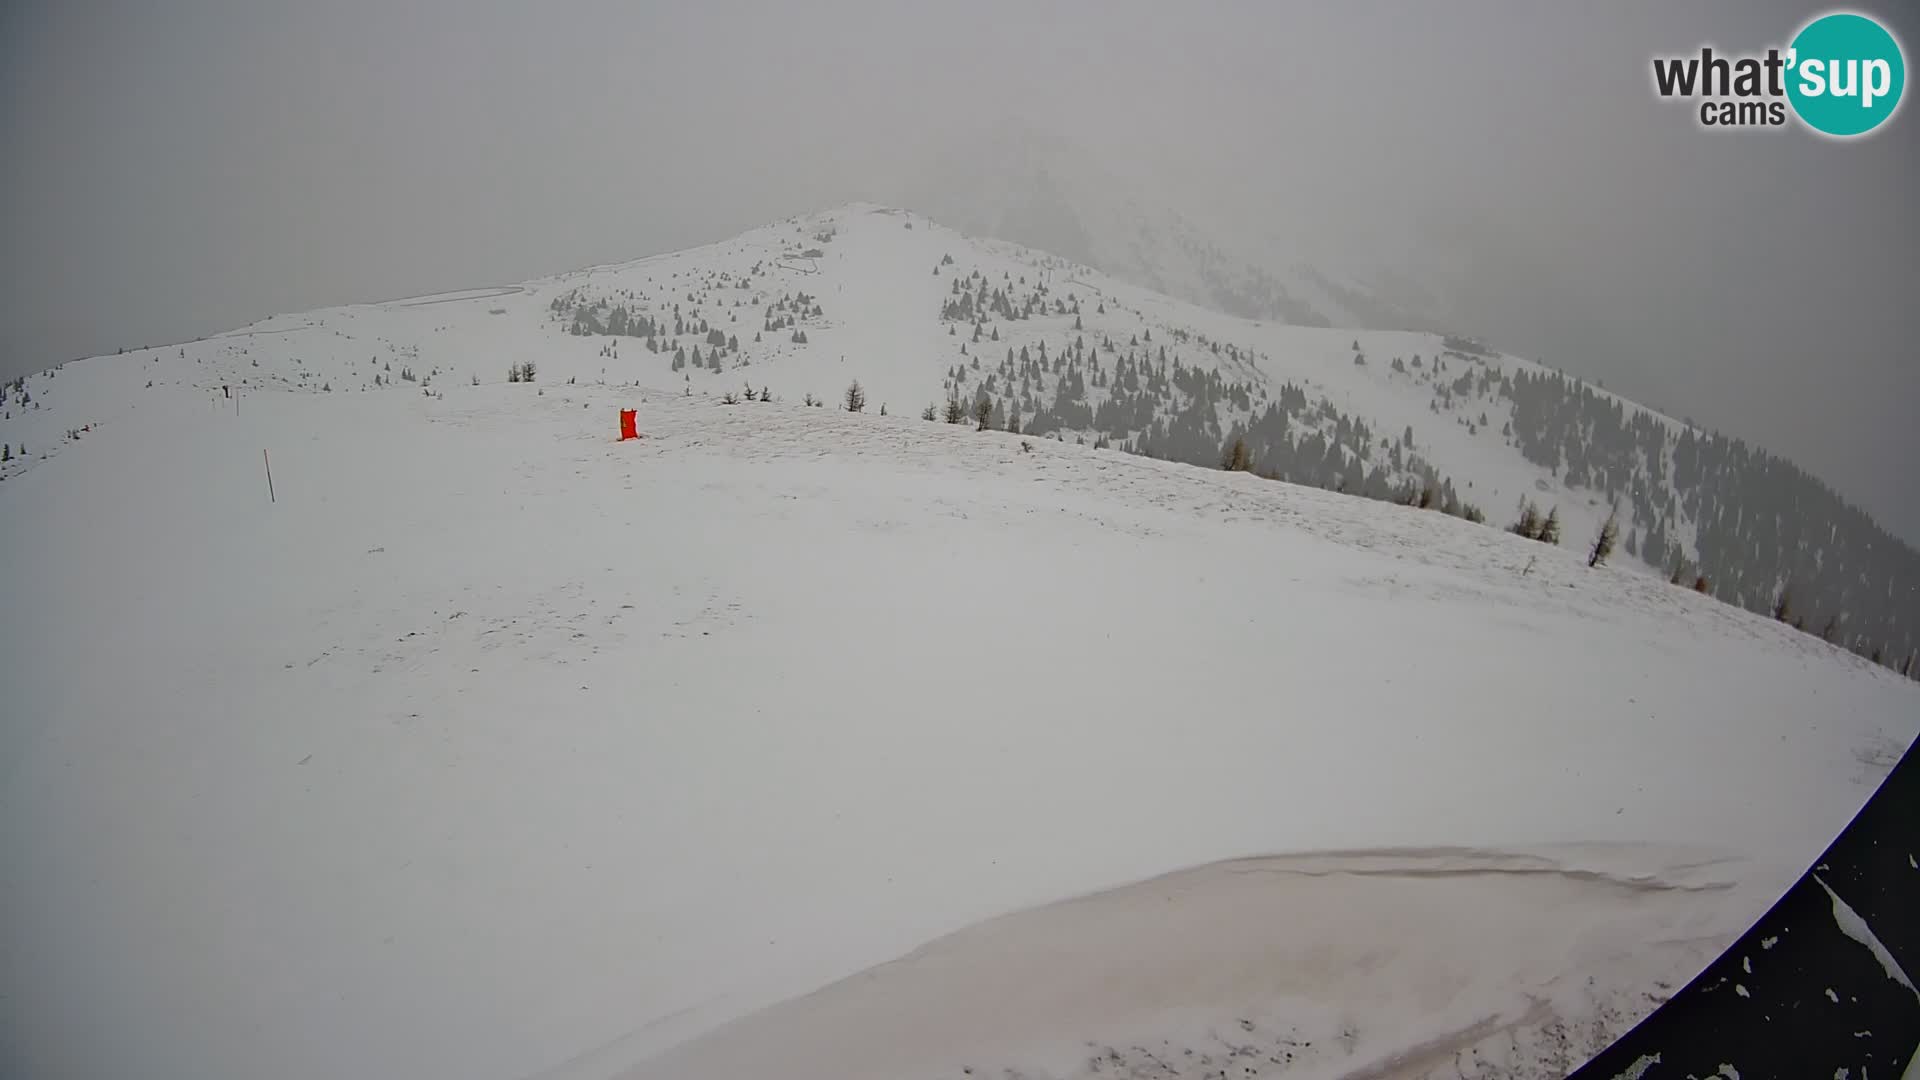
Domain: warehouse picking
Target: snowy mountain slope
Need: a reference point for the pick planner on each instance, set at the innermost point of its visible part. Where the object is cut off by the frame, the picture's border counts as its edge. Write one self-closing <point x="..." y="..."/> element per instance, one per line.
<point x="494" y="747"/>
<point x="880" y="303"/>
<point x="493" y="742"/>
<point x="921" y="314"/>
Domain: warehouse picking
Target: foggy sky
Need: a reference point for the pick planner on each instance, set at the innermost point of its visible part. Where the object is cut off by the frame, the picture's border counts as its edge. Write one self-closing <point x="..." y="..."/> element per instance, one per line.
<point x="181" y="168"/>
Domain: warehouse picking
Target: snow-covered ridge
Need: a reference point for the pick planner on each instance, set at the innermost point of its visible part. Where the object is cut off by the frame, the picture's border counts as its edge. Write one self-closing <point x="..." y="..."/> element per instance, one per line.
<point x="922" y="315"/>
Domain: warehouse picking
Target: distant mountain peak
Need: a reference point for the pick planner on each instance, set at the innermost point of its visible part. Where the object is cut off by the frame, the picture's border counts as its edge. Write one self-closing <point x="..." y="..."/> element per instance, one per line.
<point x="1050" y="193"/>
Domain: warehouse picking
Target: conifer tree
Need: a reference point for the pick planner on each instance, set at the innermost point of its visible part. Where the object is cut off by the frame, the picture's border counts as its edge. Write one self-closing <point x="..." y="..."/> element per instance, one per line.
<point x="1603" y="543"/>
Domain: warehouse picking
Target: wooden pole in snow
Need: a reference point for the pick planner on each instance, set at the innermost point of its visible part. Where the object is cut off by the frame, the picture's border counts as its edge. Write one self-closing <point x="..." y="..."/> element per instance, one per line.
<point x="269" y="464"/>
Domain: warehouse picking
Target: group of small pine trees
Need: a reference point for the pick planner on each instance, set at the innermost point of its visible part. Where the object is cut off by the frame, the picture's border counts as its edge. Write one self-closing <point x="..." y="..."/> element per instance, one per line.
<point x="522" y="372"/>
<point x="1424" y="497"/>
<point x="1682" y="570"/>
<point x="1547" y="530"/>
<point x="762" y="394"/>
<point x="1829" y="632"/>
<point x="1534" y="527"/>
<point x="956" y="413"/>
<point x="1238" y="458"/>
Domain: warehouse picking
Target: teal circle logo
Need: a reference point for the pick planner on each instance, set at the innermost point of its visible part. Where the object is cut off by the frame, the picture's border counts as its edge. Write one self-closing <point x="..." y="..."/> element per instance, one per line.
<point x="1845" y="74"/>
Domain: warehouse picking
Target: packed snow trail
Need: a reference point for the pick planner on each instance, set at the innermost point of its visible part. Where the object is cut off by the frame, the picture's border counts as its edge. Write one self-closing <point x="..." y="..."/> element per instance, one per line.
<point x="494" y="740"/>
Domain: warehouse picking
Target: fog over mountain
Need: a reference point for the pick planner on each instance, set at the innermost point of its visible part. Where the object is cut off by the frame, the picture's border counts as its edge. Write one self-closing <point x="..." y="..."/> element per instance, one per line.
<point x="1508" y="175"/>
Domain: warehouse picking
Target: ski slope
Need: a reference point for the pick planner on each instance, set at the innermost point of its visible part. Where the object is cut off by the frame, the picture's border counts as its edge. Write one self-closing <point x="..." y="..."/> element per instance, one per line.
<point x="494" y="745"/>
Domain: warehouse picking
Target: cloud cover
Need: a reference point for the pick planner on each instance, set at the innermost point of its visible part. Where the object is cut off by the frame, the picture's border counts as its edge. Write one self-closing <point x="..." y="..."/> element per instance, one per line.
<point x="179" y="169"/>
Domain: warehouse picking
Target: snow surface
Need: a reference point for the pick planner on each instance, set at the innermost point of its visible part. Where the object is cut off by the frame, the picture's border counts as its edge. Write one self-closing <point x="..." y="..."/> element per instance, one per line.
<point x="1306" y="965"/>
<point x="497" y="748"/>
